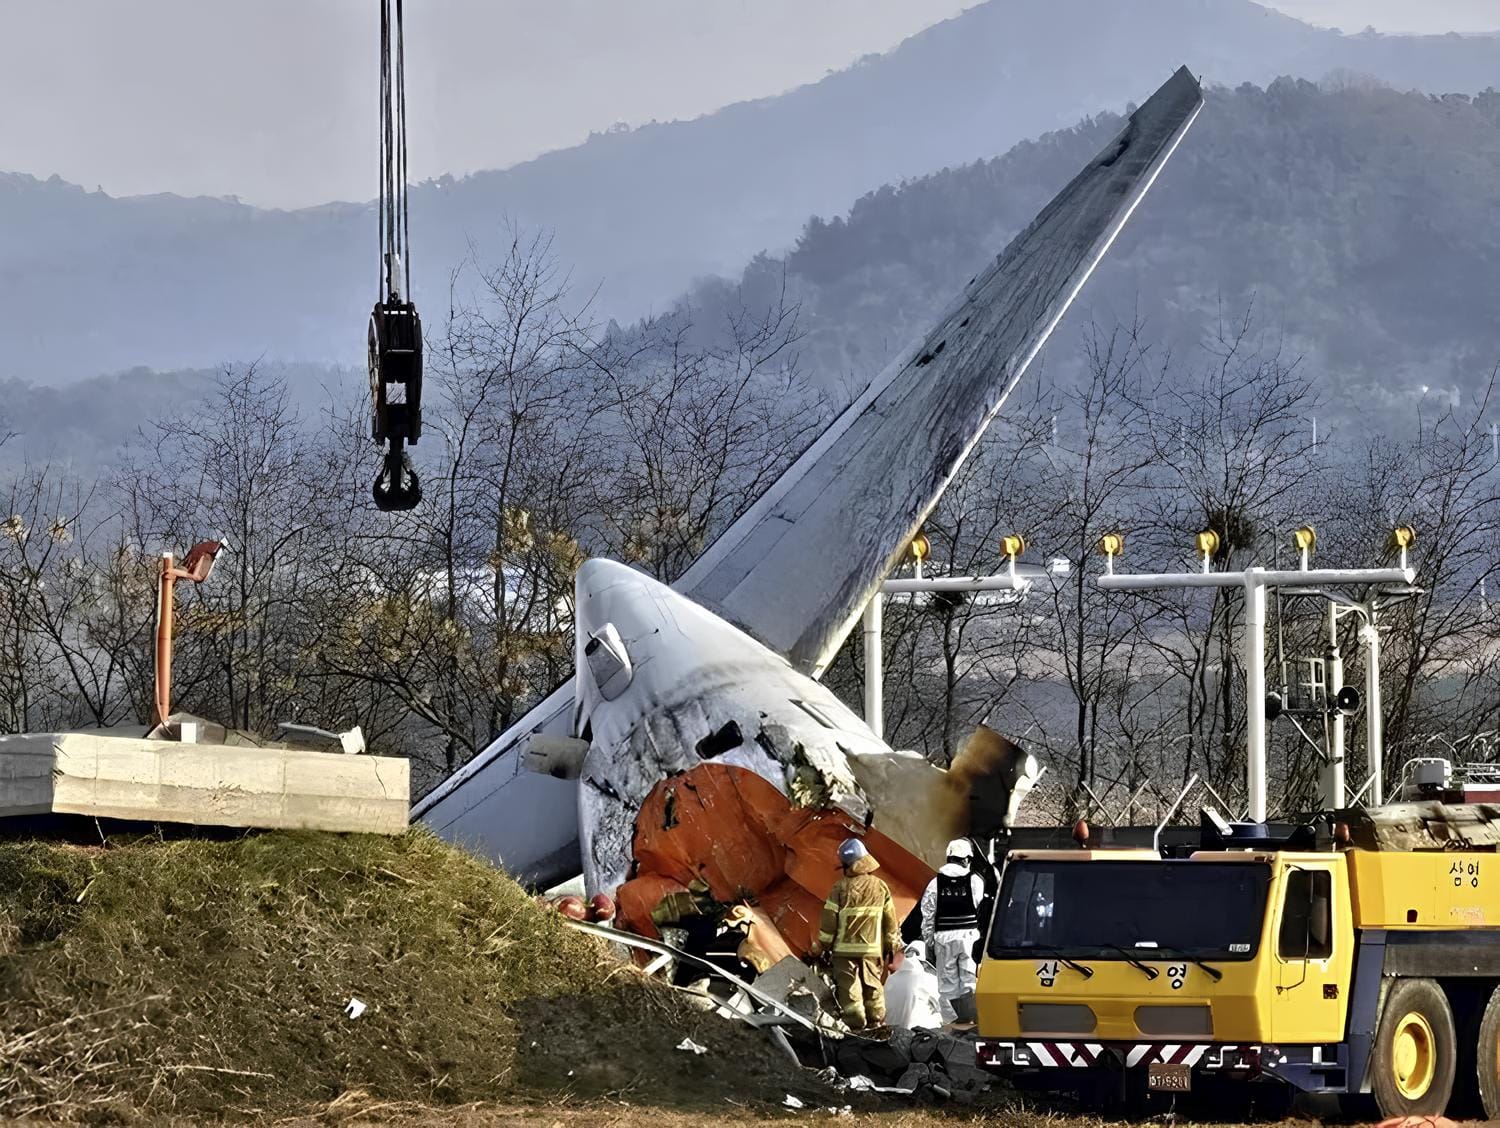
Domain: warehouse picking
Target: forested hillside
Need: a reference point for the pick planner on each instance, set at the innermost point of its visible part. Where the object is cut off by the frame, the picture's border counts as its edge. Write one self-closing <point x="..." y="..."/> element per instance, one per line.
<point x="96" y="284"/>
<point x="1359" y="224"/>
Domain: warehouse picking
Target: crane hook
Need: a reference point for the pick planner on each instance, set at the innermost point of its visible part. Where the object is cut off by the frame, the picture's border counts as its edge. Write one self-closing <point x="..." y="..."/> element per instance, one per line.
<point x="397" y="486"/>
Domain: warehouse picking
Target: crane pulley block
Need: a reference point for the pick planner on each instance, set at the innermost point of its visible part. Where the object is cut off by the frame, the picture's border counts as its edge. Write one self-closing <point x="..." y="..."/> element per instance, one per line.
<point x="396" y="400"/>
<point x="396" y="373"/>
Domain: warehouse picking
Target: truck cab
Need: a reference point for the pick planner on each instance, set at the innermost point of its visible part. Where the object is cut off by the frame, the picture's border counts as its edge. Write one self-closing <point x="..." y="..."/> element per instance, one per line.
<point x="1125" y="955"/>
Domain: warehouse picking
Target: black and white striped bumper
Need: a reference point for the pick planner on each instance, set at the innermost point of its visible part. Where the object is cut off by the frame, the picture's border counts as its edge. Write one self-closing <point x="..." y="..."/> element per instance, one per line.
<point x="1046" y="1054"/>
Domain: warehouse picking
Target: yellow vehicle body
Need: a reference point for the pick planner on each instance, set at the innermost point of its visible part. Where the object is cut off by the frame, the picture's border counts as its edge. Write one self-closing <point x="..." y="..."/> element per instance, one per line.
<point x="1425" y="890"/>
<point x="1267" y="998"/>
<point x="1070" y="979"/>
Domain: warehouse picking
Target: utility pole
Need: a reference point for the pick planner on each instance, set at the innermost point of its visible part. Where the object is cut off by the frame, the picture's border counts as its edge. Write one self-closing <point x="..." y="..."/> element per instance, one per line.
<point x="874" y="617"/>
<point x="1255" y="582"/>
<point x="1331" y="778"/>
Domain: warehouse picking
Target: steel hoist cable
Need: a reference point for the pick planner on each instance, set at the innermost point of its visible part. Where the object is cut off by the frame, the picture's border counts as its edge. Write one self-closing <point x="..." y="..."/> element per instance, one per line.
<point x="395" y="336"/>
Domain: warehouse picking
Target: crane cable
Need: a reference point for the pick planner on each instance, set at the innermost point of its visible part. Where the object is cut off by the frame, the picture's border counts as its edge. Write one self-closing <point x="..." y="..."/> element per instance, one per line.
<point x="395" y="334"/>
<point x="395" y="221"/>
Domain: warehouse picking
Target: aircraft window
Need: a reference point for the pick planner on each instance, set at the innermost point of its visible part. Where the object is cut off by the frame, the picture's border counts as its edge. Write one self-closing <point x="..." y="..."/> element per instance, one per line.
<point x="725" y="739"/>
<point x="814" y="712"/>
<point x="1307" y="916"/>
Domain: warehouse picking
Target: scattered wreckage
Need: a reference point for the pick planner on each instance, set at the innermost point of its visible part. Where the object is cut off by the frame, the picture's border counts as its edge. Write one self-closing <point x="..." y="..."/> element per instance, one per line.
<point x="794" y="1005"/>
<point x="696" y="771"/>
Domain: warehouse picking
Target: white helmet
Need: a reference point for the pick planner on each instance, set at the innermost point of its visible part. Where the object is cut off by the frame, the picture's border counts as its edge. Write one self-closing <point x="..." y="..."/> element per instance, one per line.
<point x="960" y="850"/>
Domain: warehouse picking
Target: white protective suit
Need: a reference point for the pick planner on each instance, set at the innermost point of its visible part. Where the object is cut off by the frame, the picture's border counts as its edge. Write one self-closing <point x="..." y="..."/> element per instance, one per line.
<point x="911" y="992"/>
<point x="952" y="949"/>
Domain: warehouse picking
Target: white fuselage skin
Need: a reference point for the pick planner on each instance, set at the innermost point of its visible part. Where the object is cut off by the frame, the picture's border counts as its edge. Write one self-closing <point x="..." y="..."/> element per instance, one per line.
<point x="694" y="676"/>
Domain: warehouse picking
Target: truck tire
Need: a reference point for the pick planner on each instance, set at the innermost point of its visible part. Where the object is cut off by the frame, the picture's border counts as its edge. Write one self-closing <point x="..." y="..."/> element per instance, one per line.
<point x="1487" y="1057"/>
<point x="1416" y="1051"/>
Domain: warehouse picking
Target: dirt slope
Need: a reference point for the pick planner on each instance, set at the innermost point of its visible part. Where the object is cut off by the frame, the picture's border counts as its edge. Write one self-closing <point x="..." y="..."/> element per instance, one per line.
<point x="199" y="978"/>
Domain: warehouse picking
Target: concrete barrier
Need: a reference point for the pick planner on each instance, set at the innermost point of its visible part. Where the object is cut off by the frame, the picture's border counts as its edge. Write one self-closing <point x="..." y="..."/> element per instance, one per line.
<point x="121" y="777"/>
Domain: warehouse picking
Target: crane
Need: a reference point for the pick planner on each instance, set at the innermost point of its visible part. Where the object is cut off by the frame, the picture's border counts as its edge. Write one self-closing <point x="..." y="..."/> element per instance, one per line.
<point x="395" y="333"/>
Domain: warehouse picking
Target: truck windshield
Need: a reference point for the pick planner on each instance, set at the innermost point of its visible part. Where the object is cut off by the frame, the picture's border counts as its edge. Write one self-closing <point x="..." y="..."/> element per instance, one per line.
<point x="1105" y="910"/>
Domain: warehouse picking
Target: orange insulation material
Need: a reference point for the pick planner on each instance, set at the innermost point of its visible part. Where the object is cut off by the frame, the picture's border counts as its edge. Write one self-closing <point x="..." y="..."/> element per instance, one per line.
<point x="744" y="839"/>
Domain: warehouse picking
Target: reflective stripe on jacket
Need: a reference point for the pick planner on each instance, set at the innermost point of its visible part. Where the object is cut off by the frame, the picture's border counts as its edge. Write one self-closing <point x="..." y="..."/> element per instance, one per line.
<point x="859" y="918"/>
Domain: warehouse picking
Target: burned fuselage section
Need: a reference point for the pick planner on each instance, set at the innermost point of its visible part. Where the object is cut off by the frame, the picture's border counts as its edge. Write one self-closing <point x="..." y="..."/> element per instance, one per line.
<point x="715" y="763"/>
<point x="701" y="692"/>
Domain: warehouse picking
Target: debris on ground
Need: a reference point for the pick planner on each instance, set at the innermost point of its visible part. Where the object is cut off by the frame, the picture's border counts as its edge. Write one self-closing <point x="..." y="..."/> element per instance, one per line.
<point x="795" y="1005"/>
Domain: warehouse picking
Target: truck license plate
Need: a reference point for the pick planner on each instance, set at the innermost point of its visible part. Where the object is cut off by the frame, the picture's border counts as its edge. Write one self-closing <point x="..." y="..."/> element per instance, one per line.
<point x="1169" y="1078"/>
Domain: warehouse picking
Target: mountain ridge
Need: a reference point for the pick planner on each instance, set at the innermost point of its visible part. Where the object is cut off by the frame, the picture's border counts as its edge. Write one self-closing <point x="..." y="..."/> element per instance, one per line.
<point x="1292" y="202"/>
<point x="103" y="283"/>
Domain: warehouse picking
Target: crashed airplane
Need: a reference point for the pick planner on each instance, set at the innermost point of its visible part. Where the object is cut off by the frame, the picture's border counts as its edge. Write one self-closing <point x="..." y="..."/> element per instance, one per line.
<point x="694" y="750"/>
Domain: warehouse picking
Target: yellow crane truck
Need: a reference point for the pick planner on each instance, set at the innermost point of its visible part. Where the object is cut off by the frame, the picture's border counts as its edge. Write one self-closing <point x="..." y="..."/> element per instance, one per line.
<point x="1360" y="959"/>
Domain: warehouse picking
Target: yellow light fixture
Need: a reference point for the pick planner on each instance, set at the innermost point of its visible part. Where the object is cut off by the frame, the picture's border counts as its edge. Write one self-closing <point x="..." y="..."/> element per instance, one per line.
<point x="1403" y="537"/>
<point x="921" y="547"/>
<point x="1305" y="539"/>
<point x="1207" y="543"/>
<point x="1012" y="545"/>
<point x="1112" y="544"/>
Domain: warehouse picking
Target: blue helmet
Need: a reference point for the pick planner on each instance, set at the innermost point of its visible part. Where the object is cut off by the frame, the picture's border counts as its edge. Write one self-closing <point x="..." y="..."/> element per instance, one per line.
<point x="852" y="850"/>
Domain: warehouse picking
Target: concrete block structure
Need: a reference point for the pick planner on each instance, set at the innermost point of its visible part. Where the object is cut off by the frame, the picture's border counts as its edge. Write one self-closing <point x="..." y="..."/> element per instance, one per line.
<point x="122" y="777"/>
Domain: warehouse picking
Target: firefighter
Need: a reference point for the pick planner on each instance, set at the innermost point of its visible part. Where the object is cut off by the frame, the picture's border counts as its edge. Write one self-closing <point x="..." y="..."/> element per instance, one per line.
<point x="858" y="934"/>
<point x="950" y="925"/>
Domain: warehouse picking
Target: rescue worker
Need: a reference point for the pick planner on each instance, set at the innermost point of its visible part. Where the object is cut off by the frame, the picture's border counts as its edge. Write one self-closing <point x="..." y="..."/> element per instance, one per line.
<point x="858" y="934"/>
<point x="950" y="925"/>
<point x="911" y="992"/>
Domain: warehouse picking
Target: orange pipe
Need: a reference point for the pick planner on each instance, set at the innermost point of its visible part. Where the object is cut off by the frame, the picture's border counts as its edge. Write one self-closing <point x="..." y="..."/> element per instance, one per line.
<point x="164" y="600"/>
<point x="200" y="562"/>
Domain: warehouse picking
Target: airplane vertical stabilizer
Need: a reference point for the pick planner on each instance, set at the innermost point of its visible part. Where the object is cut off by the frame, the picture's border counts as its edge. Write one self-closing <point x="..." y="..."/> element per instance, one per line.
<point x="797" y="568"/>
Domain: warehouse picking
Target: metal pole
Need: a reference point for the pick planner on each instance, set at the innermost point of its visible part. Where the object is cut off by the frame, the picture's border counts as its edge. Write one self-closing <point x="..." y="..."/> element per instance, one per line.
<point x="1255" y="692"/>
<point x="164" y="598"/>
<point x="874" y="666"/>
<point x="1369" y="634"/>
<point x="1332" y="775"/>
<point x="1005" y="581"/>
<point x="1183" y="794"/>
<point x="1255" y="582"/>
<point x="1121" y="581"/>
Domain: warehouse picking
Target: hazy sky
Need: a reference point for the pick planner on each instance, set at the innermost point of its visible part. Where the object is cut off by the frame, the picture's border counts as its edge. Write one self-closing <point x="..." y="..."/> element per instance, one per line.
<point x="274" y="100"/>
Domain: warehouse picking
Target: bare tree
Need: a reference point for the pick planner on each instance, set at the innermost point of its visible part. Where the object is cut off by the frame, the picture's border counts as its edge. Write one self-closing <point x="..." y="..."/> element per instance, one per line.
<point x="700" y="431"/>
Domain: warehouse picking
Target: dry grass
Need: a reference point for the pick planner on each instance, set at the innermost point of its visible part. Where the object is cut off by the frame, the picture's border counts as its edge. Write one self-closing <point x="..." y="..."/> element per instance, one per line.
<point x="358" y="1109"/>
<point x="202" y="977"/>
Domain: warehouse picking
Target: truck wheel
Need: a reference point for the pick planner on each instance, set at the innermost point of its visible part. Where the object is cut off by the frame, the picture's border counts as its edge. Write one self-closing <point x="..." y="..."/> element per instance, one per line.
<point x="1416" y="1050"/>
<point x="1487" y="1057"/>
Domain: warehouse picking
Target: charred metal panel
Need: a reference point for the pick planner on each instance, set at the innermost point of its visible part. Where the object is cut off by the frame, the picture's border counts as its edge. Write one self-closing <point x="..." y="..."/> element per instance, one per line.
<point x="1424" y="826"/>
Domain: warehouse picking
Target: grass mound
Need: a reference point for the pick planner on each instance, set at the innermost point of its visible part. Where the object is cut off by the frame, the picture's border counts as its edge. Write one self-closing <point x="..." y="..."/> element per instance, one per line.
<point x="201" y="977"/>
